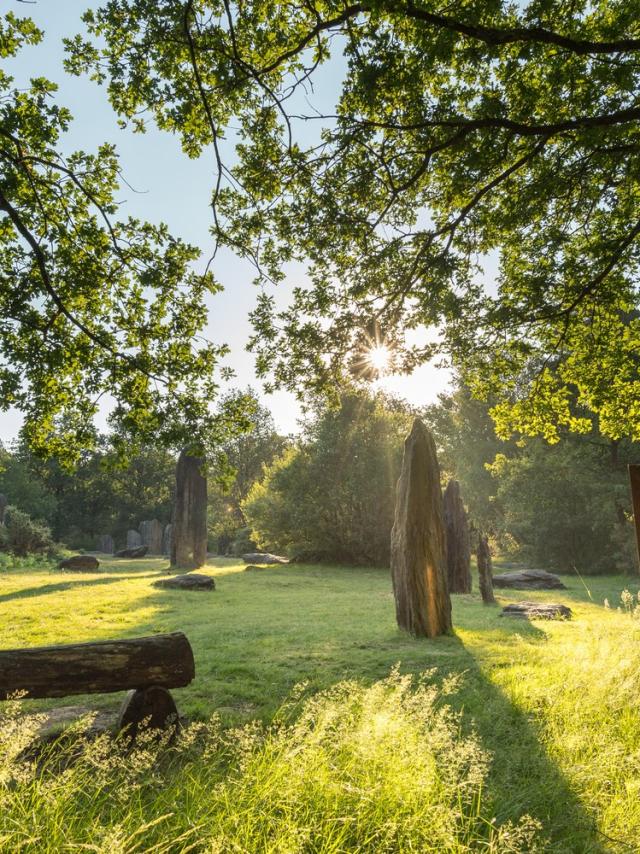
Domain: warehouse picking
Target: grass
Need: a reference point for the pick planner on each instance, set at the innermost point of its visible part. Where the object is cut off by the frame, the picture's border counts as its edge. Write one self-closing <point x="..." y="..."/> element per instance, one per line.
<point x="544" y="724"/>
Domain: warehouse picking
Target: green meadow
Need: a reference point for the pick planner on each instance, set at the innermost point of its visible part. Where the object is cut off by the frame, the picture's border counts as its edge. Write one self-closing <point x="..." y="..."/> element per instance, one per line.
<point x="316" y="725"/>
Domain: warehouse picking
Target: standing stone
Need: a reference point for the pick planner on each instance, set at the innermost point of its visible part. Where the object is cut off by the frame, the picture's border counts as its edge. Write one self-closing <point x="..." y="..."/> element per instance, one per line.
<point x="458" y="543"/>
<point x="189" y="541"/>
<point x="151" y="533"/>
<point x="105" y="544"/>
<point x="3" y="506"/>
<point x="166" y="540"/>
<point x="418" y="546"/>
<point x="133" y="540"/>
<point x="485" y="570"/>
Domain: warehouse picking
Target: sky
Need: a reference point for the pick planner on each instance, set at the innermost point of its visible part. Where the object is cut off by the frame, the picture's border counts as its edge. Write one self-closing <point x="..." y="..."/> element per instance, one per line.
<point x="169" y="187"/>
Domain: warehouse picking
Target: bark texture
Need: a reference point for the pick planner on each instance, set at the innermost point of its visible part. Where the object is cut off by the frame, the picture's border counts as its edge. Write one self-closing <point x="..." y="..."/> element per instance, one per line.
<point x="485" y="570"/>
<point x="165" y="660"/>
<point x="418" y="547"/>
<point x="458" y="542"/>
<point x="3" y="506"/>
<point x="189" y="525"/>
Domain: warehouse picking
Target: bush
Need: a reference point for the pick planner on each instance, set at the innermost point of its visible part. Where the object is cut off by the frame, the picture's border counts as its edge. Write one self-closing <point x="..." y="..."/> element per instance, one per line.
<point x="23" y="536"/>
<point x="333" y="497"/>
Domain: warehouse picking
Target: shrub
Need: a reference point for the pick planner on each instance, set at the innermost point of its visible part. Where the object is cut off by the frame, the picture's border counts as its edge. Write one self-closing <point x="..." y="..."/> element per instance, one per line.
<point x="23" y="535"/>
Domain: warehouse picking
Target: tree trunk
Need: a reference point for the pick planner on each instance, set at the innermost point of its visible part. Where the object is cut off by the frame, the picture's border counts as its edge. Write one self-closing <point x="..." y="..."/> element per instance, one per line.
<point x="189" y="524"/>
<point x="101" y="667"/>
<point x="418" y="549"/>
<point x="634" y="479"/>
<point x="485" y="570"/>
<point x="458" y="544"/>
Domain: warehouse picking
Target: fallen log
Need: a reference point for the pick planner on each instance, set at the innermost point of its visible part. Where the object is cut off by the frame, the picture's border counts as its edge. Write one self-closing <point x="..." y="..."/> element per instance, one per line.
<point x="100" y="667"/>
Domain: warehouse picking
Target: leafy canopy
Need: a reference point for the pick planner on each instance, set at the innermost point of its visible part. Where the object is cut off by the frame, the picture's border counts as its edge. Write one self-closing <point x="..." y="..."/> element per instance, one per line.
<point x="91" y="304"/>
<point x="457" y="135"/>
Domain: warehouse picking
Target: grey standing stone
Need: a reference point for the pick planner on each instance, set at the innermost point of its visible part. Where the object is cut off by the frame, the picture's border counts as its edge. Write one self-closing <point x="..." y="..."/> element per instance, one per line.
<point x="458" y="541"/>
<point x="166" y="540"/>
<point x="106" y="544"/>
<point x="189" y="542"/>
<point x="485" y="570"/>
<point x="151" y="533"/>
<point x="418" y="545"/>
<point x="133" y="539"/>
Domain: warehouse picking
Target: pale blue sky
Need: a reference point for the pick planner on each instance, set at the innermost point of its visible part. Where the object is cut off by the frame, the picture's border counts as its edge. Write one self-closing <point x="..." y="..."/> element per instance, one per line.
<point x="175" y="190"/>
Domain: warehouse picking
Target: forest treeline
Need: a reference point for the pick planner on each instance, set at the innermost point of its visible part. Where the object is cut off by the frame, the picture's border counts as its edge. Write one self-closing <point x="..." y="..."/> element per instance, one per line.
<point x="327" y="494"/>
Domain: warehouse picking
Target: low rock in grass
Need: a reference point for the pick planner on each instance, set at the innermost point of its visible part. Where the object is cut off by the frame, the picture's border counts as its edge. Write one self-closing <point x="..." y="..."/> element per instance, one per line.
<point x="188" y="581"/>
<point x="264" y="557"/>
<point x="138" y="551"/>
<point x="529" y="579"/>
<point x="253" y="567"/>
<point x="79" y="563"/>
<point x="537" y="611"/>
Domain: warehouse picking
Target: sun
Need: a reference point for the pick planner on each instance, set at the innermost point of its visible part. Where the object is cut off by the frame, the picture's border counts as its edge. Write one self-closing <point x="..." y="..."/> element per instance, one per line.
<point x="379" y="359"/>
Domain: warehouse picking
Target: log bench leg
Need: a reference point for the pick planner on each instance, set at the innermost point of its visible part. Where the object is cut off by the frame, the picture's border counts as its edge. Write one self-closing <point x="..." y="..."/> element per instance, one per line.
<point x="151" y="708"/>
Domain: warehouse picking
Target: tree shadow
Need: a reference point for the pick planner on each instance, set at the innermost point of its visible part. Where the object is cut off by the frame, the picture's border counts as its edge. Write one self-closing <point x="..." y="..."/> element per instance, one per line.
<point x="260" y="633"/>
<point x="58" y="587"/>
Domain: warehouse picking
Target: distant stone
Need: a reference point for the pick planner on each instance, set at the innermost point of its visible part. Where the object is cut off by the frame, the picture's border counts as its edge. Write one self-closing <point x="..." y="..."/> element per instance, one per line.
<point x="133" y="539"/>
<point x="166" y="539"/>
<point x="252" y="567"/>
<point x="152" y="534"/>
<point x="529" y="579"/>
<point x="458" y="541"/>
<point x="260" y="557"/>
<point x="537" y="611"/>
<point x="188" y="581"/>
<point x="140" y="551"/>
<point x="80" y="563"/>
<point x="105" y="544"/>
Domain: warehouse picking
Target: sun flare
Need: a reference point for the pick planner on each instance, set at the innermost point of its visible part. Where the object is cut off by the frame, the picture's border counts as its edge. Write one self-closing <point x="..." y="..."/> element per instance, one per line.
<point x="379" y="358"/>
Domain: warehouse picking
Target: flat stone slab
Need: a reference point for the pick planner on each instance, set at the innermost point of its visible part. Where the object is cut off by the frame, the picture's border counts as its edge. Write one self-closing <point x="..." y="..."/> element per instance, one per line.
<point x="79" y="563"/>
<point x="137" y="551"/>
<point x="529" y="579"/>
<point x="537" y="611"/>
<point x="264" y="557"/>
<point x="188" y="581"/>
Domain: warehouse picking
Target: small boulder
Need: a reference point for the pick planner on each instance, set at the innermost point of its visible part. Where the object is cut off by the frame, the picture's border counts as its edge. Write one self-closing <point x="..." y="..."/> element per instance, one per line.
<point x="79" y="563"/>
<point x="263" y="557"/>
<point x="529" y="579"/>
<point x="252" y="567"/>
<point x="140" y="551"/>
<point x="188" y="581"/>
<point x="537" y="611"/>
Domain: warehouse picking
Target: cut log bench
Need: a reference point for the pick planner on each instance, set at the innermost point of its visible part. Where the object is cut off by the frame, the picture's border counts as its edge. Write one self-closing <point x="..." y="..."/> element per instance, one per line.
<point x="145" y="667"/>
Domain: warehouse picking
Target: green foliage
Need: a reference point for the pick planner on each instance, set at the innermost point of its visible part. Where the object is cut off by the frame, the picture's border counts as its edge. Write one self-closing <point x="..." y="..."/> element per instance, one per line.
<point x="23" y="487"/>
<point x="243" y="456"/>
<point x="23" y="536"/>
<point x="458" y="138"/>
<point x="91" y="304"/>
<point x="563" y="506"/>
<point x="332" y="498"/>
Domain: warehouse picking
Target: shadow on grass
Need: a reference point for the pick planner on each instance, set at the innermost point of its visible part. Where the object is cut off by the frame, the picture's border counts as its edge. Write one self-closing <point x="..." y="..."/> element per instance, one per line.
<point x="261" y="633"/>
<point x="60" y="586"/>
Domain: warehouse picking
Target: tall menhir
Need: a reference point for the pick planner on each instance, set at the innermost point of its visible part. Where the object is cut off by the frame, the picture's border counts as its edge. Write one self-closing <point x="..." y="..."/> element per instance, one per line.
<point x="418" y="545"/>
<point x="189" y="524"/>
